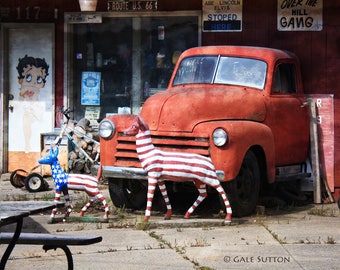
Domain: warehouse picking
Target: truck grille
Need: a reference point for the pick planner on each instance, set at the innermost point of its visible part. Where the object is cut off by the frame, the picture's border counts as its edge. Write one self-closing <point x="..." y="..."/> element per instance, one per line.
<point x="126" y="154"/>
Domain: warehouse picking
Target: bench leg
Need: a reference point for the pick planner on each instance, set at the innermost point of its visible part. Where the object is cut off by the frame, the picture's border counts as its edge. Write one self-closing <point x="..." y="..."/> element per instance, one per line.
<point x="11" y="245"/>
<point x="67" y="253"/>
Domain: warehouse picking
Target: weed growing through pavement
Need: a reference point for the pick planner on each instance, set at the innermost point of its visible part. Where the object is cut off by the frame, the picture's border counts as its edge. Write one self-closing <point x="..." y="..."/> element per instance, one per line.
<point x="330" y="240"/>
<point x="181" y="250"/>
<point x="259" y="243"/>
<point x="275" y="235"/>
<point x="107" y="251"/>
<point x="311" y="242"/>
<point x="48" y="197"/>
<point x="201" y="242"/>
<point x="324" y="212"/>
<point x="80" y="227"/>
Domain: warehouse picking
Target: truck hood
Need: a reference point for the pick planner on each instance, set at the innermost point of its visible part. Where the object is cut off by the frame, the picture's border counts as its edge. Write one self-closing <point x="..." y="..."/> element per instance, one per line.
<point x="181" y="109"/>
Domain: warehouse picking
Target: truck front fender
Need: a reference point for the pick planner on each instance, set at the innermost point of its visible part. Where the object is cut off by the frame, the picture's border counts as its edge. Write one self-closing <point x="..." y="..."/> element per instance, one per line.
<point x="243" y="136"/>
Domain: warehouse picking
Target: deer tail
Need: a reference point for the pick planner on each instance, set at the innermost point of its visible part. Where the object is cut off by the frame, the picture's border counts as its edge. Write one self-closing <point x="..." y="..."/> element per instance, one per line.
<point x="100" y="172"/>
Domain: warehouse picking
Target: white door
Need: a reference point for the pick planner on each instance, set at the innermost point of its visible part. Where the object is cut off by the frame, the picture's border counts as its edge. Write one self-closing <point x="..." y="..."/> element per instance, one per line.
<point x="29" y="49"/>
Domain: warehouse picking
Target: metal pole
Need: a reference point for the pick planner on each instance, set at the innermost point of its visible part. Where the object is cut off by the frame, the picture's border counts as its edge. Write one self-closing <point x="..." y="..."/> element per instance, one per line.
<point x="315" y="151"/>
<point x="136" y="65"/>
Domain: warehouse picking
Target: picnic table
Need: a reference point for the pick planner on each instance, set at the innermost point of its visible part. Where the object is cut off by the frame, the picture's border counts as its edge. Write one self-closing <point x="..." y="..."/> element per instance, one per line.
<point x="16" y="211"/>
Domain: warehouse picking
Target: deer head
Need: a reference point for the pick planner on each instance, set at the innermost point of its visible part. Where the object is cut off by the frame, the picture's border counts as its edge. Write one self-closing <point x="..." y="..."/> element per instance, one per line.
<point x="52" y="157"/>
<point x="138" y="125"/>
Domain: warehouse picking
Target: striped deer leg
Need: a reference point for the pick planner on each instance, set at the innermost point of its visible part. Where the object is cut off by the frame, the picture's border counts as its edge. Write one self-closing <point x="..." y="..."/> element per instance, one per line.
<point x="202" y="189"/>
<point x="221" y="191"/>
<point x="67" y="203"/>
<point x="92" y="198"/>
<point x="105" y="204"/>
<point x="56" y="200"/>
<point x="152" y="183"/>
<point x="164" y="192"/>
<point x="86" y="206"/>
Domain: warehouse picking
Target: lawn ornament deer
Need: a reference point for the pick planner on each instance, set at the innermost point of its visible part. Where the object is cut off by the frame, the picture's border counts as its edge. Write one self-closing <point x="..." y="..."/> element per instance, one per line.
<point x="174" y="166"/>
<point x="65" y="182"/>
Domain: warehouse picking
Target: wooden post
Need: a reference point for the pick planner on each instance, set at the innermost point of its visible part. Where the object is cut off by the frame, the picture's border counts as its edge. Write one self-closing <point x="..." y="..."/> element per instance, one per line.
<point x="314" y="151"/>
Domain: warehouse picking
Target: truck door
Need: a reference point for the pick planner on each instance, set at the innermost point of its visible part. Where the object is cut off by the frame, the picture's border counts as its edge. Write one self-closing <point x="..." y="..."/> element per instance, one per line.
<point x="288" y="116"/>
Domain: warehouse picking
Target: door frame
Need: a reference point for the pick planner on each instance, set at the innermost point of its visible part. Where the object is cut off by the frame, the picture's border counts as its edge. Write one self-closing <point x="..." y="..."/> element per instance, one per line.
<point x="4" y="83"/>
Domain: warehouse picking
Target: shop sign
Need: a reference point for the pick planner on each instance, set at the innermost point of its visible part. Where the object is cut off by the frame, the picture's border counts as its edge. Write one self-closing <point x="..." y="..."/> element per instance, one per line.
<point x="90" y="88"/>
<point x="130" y="5"/>
<point x="83" y="18"/>
<point x="222" y="15"/>
<point x="299" y="15"/>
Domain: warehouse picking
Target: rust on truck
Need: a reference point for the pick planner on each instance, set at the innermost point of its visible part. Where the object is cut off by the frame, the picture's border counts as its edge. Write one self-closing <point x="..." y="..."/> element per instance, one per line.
<point x="242" y="106"/>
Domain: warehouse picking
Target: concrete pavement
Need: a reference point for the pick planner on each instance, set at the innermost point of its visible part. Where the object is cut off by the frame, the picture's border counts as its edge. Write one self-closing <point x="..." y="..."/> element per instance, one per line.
<point x="297" y="238"/>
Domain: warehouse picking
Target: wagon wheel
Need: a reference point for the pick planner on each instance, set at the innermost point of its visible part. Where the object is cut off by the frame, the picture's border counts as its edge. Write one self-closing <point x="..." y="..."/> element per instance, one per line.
<point x="16" y="179"/>
<point x="35" y="182"/>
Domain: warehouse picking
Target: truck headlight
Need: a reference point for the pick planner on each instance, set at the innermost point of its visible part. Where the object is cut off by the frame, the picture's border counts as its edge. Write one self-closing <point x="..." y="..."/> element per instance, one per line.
<point x="106" y="129"/>
<point x="220" y="137"/>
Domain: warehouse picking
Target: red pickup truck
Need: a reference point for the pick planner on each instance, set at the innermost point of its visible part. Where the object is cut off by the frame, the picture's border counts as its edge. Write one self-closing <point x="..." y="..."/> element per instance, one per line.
<point x="242" y="106"/>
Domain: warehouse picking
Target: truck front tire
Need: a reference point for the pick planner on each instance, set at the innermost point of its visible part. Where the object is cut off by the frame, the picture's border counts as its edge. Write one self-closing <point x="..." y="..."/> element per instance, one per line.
<point x="243" y="191"/>
<point x="127" y="193"/>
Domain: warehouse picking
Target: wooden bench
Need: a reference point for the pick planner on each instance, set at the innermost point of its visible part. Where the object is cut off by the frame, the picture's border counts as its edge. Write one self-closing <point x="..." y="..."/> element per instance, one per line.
<point x="52" y="241"/>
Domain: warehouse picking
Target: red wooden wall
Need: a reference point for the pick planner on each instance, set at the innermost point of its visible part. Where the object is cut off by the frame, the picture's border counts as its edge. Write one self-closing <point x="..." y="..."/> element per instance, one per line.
<point x="319" y="51"/>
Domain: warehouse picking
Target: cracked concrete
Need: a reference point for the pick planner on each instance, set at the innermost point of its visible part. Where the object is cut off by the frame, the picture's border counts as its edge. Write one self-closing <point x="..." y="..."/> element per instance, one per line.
<point x="291" y="239"/>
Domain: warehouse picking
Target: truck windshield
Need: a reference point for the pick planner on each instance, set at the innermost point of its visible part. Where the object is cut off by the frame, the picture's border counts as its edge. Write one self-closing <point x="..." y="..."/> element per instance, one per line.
<point x="222" y="70"/>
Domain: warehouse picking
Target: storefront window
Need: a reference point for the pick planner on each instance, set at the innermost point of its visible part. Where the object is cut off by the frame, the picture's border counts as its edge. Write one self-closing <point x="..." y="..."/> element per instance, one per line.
<point x="119" y="63"/>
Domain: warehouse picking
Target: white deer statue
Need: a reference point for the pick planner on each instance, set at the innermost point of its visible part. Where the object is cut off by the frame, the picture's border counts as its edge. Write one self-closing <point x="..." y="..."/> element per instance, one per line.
<point x="174" y="166"/>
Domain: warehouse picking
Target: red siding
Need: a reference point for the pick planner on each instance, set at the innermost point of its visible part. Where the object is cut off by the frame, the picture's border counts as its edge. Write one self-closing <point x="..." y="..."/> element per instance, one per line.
<point x="319" y="52"/>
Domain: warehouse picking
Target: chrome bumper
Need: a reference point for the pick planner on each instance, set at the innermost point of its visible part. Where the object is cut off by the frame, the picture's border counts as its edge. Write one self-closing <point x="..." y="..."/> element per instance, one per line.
<point x="137" y="173"/>
<point x="124" y="172"/>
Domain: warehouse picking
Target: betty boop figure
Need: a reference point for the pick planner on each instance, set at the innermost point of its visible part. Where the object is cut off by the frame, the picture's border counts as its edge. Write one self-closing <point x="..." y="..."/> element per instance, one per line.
<point x="32" y="77"/>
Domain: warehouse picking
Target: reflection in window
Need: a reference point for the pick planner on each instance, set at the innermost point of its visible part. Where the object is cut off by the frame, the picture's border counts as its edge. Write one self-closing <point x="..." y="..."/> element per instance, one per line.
<point x="222" y="70"/>
<point x="284" y="79"/>
<point x="113" y="47"/>
<point x="198" y="69"/>
<point x="241" y="71"/>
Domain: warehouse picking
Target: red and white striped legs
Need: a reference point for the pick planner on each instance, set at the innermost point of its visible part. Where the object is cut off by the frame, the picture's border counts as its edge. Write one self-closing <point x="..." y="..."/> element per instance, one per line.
<point x="202" y="189"/>
<point x="152" y="184"/>
<point x="67" y="203"/>
<point x="91" y="200"/>
<point x="228" y="216"/>
<point x="164" y="192"/>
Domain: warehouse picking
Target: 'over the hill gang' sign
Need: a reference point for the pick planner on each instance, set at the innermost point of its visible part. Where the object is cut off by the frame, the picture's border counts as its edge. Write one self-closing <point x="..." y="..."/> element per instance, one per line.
<point x="299" y="15"/>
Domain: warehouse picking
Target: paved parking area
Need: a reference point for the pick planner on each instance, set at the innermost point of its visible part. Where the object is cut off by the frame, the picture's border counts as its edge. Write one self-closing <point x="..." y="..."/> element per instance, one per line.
<point x="298" y="238"/>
